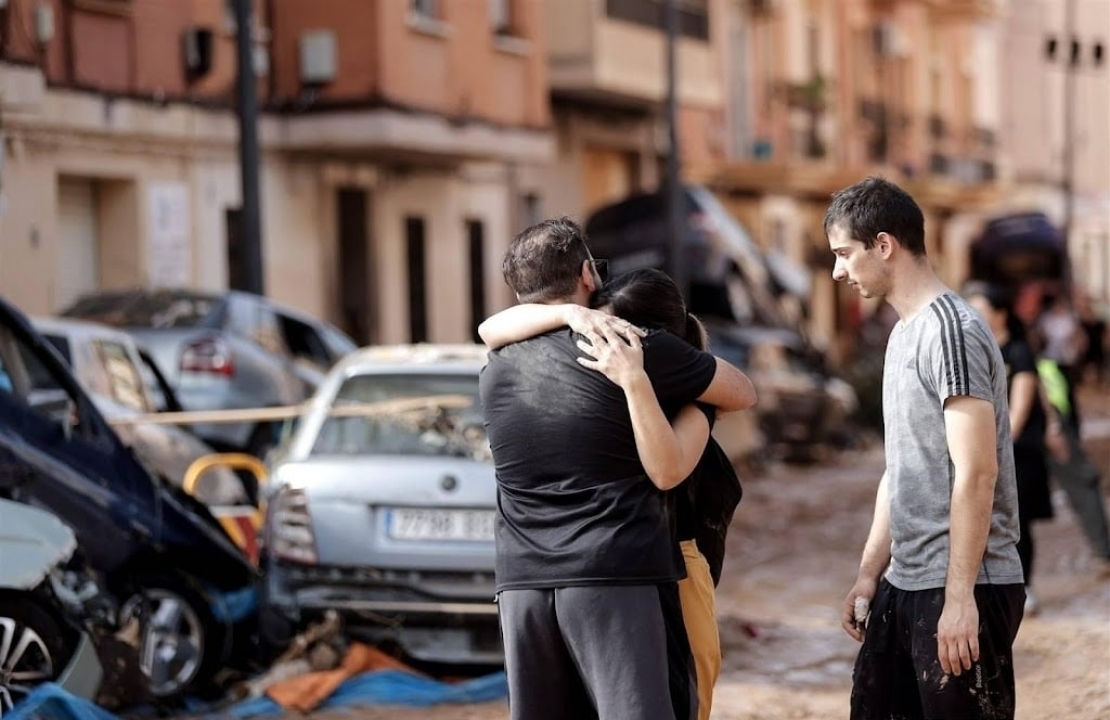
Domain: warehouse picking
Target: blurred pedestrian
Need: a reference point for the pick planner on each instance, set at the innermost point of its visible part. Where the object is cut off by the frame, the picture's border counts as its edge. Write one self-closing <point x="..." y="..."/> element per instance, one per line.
<point x="1096" y="337"/>
<point x="680" y="450"/>
<point x="586" y="565"/>
<point x="1073" y="469"/>
<point x="1029" y="424"/>
<point x="940" y="574"/>
<point x="1061" y="341"/>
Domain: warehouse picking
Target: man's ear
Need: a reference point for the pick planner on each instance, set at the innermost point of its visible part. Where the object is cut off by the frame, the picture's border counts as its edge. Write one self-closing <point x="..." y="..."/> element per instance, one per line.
<point x="884" y="243"/>
<point x="586" y="276"/>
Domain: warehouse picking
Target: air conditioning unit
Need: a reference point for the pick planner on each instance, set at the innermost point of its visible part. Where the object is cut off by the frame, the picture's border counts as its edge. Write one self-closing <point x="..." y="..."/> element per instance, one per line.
<point x="888" y="40"/>
<point x="319" y="61"/>
<point x="196" y="51"/>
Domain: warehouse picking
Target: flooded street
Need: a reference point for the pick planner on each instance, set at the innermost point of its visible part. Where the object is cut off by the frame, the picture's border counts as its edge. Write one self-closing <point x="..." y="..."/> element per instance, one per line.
<point x="793" y="552"/>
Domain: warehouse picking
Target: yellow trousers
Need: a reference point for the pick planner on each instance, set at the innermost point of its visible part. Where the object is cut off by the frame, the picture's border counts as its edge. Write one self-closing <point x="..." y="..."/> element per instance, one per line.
<point x="699" y="613"/>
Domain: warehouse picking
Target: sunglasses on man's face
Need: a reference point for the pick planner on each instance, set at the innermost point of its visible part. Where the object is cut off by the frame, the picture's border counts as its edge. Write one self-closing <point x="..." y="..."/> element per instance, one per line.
<point x="602" y="268"/>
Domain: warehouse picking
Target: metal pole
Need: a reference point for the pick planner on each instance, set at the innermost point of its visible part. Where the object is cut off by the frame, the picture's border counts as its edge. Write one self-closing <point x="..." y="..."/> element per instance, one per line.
<point x="676" y="225"/>
<point x="251" y="229"/>
<point x="1071" y="67"/>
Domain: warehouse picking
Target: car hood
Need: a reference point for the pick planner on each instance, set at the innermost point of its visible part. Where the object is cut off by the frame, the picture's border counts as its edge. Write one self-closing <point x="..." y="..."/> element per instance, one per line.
<point x="32" y="543"/>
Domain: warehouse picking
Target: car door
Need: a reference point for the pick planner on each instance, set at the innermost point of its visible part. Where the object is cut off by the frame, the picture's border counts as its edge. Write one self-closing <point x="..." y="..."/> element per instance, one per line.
<point x="77" y="468"/>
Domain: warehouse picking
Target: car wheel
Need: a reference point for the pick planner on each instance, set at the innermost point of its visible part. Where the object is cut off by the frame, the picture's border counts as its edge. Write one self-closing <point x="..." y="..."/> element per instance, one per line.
<point x="34" y="648"/>
<point x="180" y="641"/>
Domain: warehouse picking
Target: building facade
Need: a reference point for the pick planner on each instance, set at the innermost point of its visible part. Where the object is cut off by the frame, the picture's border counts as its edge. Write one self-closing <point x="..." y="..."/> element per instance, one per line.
<point x="401" y="142"/>
<point x="824" y="94"/>
<point x="1036" y="91"/>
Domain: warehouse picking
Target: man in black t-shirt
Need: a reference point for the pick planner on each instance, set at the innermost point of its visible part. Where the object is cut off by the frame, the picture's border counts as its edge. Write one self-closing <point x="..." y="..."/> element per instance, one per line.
<point x="586" y="563"/>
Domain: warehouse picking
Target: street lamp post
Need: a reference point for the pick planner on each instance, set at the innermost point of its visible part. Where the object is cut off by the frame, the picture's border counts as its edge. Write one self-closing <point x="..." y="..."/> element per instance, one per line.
<point x="251" y="215"/>
<point x="675" y="255"/>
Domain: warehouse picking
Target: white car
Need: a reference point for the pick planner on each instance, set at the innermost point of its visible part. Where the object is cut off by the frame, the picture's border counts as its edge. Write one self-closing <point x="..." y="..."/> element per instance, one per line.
<point x="112" y="370"/>
<point x="381" y="505"/>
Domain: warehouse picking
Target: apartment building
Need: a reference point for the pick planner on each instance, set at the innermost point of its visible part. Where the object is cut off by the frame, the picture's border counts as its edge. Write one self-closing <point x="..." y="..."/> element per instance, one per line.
<point x="826" y="93"/>
<point x="401" y="141"/>
<point x="1049" y="66"/>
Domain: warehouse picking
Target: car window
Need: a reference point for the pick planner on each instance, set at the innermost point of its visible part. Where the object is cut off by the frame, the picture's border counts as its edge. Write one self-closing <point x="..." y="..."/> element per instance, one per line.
<point x="303" y="341"/>
<point x="33" y="383"/>
<point x="339" y="345"/>
<point x="60" y="344"/>
<point x="125" y="381"/>
<point x="406" y="414"/>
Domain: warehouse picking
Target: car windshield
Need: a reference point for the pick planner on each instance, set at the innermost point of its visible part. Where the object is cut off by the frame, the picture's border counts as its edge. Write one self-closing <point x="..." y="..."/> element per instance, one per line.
<point x="149" y="310"/>
<point x="406" y="414"/>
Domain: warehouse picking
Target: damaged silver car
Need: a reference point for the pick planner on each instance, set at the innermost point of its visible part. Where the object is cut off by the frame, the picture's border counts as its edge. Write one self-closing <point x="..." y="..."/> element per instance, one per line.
<point x="46" y="599"/>
<point x="381" y="505"/>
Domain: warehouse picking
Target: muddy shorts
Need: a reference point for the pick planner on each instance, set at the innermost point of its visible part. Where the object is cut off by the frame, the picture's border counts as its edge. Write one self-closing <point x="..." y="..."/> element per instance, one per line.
<point x="898" y="676"/>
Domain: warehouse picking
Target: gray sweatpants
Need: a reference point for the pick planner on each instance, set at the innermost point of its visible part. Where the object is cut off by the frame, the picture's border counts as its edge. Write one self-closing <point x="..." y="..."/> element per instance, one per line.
<point x="588" y="652"/>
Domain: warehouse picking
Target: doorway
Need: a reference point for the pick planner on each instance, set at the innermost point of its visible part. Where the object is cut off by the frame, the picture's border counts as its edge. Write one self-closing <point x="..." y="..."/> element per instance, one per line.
<point x="355" y="272"/>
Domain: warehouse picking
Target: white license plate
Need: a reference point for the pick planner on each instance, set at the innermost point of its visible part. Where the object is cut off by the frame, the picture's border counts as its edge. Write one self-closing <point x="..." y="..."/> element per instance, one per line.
<point x="414" y="524"/>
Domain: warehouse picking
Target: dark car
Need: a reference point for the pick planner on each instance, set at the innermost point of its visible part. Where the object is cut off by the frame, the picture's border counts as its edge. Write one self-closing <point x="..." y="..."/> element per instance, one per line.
<point x="160" y="552"/>
<point x="728" y="275"/>
<point x="224" y="351"/>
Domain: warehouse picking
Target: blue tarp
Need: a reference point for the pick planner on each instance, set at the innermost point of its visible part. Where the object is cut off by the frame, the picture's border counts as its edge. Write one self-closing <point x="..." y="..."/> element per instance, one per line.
<point x="381" y="687"/>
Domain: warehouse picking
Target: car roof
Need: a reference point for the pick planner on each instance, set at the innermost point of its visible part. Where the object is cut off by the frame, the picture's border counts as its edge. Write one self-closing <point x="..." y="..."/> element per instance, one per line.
<point x="409" y="358"/>
<point x="81" y="329"/>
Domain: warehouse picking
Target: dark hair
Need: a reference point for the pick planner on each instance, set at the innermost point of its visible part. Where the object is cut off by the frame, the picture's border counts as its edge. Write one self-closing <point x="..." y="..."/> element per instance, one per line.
<point x="649" y="298"/>
<point x="1000" y="299"/>
<point x="544" y="262"/>
<point x="876" y="205"/>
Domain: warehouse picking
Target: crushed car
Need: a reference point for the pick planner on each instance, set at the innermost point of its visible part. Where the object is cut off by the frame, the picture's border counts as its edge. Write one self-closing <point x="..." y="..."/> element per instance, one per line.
<point x="49" y="603"/>
<point x="159" y="551"/>
<point x="381" y="505"/>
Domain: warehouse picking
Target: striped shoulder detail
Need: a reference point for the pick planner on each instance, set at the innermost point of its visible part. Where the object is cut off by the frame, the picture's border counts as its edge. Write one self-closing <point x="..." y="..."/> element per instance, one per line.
<point x="953" y="345"/>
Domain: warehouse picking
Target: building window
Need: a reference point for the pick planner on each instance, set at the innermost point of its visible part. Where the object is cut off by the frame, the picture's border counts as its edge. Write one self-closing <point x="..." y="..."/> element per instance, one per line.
<point x="530" y="209"/>
<point x="418" y="281"/>
<point x="426" y="8"/>
<point x="476" y="237"/>
<point x="693" y="15"/>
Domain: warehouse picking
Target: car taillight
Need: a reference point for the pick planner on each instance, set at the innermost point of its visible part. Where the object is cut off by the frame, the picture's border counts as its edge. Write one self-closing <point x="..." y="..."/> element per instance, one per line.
<point x="290" y="535"/>
<point x="209" y="355"/>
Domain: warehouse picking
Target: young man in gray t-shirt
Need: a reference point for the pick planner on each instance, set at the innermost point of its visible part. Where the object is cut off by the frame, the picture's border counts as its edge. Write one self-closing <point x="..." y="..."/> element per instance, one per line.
<point x="939" y="595"/>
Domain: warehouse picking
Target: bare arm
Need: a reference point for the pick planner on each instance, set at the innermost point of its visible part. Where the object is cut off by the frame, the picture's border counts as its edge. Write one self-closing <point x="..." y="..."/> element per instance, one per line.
<point x="970" y="430"/>
<point x="521" y="322"/>
<point x="1024" y="391"/>
<point x="668" y="454"/>
<point x="730" y="389"/>
<point x="876" y="558"/>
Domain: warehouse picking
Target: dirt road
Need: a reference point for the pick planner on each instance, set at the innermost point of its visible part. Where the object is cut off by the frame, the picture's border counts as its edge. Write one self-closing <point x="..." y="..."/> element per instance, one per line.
<point x="793" y="552"/>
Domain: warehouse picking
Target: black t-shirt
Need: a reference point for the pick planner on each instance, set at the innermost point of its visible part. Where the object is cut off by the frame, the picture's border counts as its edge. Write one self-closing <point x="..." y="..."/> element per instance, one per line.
<point x="575" y="506"/>
<point x="684" y="497"/>
<point x="1019" y="358"/>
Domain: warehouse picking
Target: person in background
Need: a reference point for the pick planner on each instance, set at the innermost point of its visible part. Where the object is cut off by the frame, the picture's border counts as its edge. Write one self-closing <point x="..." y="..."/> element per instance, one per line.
<point x="1097" y="336"/>
<point x="704" y="502"/>
<point x="938" y="597"/>
<point x="1061" y="341"/>
<point x="1028" y="420"/>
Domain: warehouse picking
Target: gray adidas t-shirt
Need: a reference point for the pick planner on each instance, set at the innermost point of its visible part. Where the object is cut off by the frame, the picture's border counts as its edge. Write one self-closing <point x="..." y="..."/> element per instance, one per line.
<point x="945" y="350"/>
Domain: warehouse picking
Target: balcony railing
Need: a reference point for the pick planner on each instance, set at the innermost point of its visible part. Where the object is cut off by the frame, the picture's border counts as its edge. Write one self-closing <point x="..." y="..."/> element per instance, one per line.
<point x="693" y="15"/>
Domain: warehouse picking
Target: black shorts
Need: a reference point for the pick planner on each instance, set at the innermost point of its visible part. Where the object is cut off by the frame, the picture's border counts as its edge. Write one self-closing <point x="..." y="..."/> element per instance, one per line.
<point x="898" y="675"/>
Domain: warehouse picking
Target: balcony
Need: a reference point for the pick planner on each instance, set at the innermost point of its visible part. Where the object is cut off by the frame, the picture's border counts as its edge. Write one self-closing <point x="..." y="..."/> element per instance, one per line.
<point x="968" y="10"/>
<point x="614" y="52"/>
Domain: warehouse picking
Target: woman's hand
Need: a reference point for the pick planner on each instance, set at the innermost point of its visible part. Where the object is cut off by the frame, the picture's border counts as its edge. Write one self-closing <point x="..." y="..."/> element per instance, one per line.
<point x="584" y="321"/>
<point x="620" y="357"/>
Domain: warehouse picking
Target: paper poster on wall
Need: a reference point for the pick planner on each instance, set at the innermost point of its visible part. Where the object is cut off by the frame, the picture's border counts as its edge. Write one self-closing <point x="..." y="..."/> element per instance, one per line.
<point x="169" y="254"/>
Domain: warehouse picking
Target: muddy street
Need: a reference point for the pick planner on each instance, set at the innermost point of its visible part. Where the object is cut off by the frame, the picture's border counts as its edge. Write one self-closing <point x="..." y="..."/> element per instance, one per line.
<point x="793" y="551"/>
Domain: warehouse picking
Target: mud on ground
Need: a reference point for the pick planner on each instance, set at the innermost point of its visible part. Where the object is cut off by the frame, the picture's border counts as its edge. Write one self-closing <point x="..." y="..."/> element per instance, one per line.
<point x="793" y="552"/>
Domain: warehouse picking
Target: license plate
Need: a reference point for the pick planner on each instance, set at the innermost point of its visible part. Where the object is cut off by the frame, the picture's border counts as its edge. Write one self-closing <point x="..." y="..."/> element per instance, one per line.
<point x="413" y="524"/>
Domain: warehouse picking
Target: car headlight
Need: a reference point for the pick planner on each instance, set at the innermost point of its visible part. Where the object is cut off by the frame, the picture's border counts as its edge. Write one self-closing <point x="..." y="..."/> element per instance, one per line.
<point x="290" y="535"/>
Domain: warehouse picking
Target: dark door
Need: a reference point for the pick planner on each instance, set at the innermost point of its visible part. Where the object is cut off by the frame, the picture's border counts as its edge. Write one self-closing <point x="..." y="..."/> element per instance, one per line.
<point x="236" y="260"/>
<point x="356" y="316"/>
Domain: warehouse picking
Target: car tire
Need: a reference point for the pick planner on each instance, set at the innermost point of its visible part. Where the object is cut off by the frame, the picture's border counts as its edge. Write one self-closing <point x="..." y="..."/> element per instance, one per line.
<point x="47" y="651"/>
<point x="181" y="642"/>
